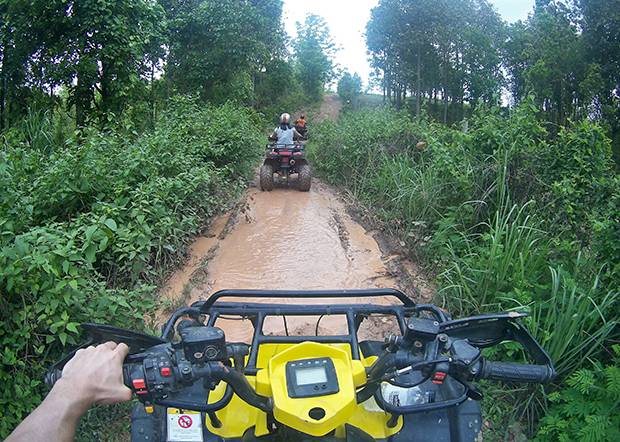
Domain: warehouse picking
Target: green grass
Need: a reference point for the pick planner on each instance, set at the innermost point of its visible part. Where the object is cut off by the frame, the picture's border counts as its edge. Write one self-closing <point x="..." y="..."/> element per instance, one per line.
<point x="506" y="218"/>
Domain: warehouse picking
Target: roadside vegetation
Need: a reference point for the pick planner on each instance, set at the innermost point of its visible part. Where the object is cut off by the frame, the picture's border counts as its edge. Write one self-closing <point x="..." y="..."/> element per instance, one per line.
<point x="506" y="218"/>
<point x="124" y="127"/>
<point x="509" y="208"/>
<point x="89" y="223"/>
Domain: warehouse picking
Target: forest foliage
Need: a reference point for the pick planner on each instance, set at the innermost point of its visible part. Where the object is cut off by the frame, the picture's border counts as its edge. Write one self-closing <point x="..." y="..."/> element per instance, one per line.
<point x="90" y="222"/>
<point x="100" y="59"/>
<point x="124" y="127"/>
<point x="510" y="207"/>
<point x="451" y="56"/>
<point x="349" y="90"/>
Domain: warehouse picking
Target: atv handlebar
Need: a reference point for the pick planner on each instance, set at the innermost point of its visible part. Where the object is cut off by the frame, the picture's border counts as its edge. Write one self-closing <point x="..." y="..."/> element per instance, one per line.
<point x="295" y="146"/>
<point x="513" y="372"/>
<point x="165" y="385"/>
<point x="431" y="348"/>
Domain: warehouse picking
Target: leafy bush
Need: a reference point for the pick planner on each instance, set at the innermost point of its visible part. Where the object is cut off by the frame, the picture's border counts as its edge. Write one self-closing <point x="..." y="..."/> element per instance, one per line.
<point x="508" y="216"/>
<point x="88" y="225"/>
<point x="587" y="409"/>
<point x="580" y="172"/>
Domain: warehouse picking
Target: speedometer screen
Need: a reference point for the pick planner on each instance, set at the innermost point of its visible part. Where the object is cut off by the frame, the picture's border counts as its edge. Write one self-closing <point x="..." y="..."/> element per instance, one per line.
<point x="310" y="375"/>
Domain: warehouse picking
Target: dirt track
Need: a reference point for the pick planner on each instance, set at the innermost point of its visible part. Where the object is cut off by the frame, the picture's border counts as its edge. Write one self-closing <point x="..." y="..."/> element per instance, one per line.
<point x="286" y="239"/>
<point x="330" y="108"/>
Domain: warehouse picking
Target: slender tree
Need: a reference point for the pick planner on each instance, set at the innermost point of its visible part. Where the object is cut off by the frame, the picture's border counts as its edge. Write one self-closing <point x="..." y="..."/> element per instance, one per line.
<point x="314" y="52"/>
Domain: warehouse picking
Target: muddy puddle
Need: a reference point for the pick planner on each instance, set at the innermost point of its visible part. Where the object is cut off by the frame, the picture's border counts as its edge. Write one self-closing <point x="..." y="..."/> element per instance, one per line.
<point x="286" y="239"/>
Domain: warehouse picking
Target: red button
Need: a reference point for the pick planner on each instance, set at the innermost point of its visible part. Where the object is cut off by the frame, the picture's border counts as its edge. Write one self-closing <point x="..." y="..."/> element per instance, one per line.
<point x="165" y="371"/>
<point x="438" y="378"/>
<point x="139" y="384"/>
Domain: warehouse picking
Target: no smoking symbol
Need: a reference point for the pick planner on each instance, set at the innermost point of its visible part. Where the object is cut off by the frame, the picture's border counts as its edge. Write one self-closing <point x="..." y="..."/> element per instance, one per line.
<point x="185" y="421"/>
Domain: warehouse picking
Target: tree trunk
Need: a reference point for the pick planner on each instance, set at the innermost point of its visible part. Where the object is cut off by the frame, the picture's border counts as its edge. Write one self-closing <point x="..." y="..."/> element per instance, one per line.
<point x="397" y="97"/>
<point x="418" y="92"/>
<point x="3" y="84"/>
<point x="106" y="87"/>
<point x="153" y="109"/>
<point x="445" y="106"/>
<point x="388" y="84"/>
<point x="83" y="99"/>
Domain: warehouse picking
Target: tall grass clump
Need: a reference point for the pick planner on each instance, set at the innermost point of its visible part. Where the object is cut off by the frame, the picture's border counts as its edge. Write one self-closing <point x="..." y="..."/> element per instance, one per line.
<point x="507" y="217"/>
<point x="496" y="267"/>
<point x="574" y="323"/>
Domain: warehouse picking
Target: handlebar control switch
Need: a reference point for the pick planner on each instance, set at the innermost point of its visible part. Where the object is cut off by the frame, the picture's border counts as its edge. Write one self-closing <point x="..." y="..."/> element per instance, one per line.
<point x="139" y="386"/>
<point x="203" y="344"/>
<point x="422" y="329"/>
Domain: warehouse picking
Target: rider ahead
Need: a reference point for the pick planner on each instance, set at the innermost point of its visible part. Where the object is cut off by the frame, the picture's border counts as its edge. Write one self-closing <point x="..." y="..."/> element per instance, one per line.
<point x="300" y="125"/>
<point x="284" y="134"/>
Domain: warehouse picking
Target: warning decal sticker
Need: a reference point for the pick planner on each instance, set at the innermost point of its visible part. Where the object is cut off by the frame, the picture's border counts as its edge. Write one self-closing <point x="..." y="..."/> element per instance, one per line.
<point x="184" y="426"/>
<point x="185" y="421"/>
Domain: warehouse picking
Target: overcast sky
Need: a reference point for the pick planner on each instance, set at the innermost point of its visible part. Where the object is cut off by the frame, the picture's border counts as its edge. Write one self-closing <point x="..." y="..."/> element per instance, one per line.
<point x="347" y="22"/>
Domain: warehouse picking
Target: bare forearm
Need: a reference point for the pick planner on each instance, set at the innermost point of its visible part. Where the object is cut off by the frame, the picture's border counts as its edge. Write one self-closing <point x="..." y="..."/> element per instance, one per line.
<point x="55" y="420"/>
<point x="94" y="375"/>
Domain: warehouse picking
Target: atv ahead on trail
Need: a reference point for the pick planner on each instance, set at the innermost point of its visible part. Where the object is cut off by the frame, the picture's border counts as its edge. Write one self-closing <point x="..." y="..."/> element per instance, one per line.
<point x="285" y="160"/>
<point x="417" y="385"/>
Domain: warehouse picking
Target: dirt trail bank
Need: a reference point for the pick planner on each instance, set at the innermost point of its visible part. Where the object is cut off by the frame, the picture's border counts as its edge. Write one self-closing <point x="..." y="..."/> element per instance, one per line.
<point x="286" y="239"/>
<point x="330" y="108"/>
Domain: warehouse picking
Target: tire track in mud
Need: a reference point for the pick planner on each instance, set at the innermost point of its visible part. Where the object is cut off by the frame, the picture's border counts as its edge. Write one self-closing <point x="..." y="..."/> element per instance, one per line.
<point x="286" y="239"/>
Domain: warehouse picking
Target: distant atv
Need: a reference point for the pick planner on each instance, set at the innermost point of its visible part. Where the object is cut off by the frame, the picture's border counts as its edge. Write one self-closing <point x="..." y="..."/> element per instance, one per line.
<point x="285" y="160"/>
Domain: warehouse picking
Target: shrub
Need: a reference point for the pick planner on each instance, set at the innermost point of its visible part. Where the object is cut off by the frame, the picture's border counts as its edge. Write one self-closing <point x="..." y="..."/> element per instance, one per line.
<point x="88" y="226"/>
<point x="587" y="408"/>
<point x="508" y="216"/>
<point x="580" y="172"/>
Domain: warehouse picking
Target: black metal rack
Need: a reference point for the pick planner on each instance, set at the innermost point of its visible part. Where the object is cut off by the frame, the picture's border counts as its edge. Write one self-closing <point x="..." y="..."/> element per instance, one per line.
<point x="256" y="312"/>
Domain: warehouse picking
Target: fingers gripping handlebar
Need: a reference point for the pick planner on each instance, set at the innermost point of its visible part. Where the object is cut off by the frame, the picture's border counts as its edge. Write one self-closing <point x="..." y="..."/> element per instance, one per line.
<point x="165" y="377"/>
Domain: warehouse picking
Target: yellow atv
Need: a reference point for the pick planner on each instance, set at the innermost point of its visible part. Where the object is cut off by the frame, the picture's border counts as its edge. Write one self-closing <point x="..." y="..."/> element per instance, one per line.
<point x="415" y="385"/>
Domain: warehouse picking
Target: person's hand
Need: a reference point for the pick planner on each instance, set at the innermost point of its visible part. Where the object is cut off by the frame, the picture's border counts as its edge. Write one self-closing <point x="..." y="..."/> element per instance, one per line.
<point x="95" y="375"/>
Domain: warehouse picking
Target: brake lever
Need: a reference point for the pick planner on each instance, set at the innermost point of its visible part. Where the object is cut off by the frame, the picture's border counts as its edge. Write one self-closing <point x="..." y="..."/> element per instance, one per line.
<point x="472" y="391"/>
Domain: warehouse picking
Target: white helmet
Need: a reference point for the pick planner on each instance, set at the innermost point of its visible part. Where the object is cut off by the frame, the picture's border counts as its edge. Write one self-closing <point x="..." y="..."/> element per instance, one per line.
<point x="285" y="118"/>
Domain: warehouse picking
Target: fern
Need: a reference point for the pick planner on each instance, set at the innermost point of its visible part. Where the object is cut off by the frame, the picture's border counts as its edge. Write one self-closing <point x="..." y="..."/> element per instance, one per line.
<point x="587" y="409"/>
<point x="582" y="381"/>
<point x="612" y="373"/>
<point x="612" y="376"/>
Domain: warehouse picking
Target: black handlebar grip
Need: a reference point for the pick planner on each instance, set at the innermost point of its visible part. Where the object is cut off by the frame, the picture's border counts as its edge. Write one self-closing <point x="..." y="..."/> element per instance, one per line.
<point x="513" y="372"/>
<point x="52" y="376"/>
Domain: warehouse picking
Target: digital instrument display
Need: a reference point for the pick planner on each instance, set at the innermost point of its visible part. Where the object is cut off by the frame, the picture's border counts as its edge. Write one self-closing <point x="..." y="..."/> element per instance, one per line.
<point x="311" y="375"/>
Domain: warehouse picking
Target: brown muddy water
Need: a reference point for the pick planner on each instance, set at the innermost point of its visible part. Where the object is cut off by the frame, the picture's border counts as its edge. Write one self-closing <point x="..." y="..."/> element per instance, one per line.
<point x="286" y="239"/>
